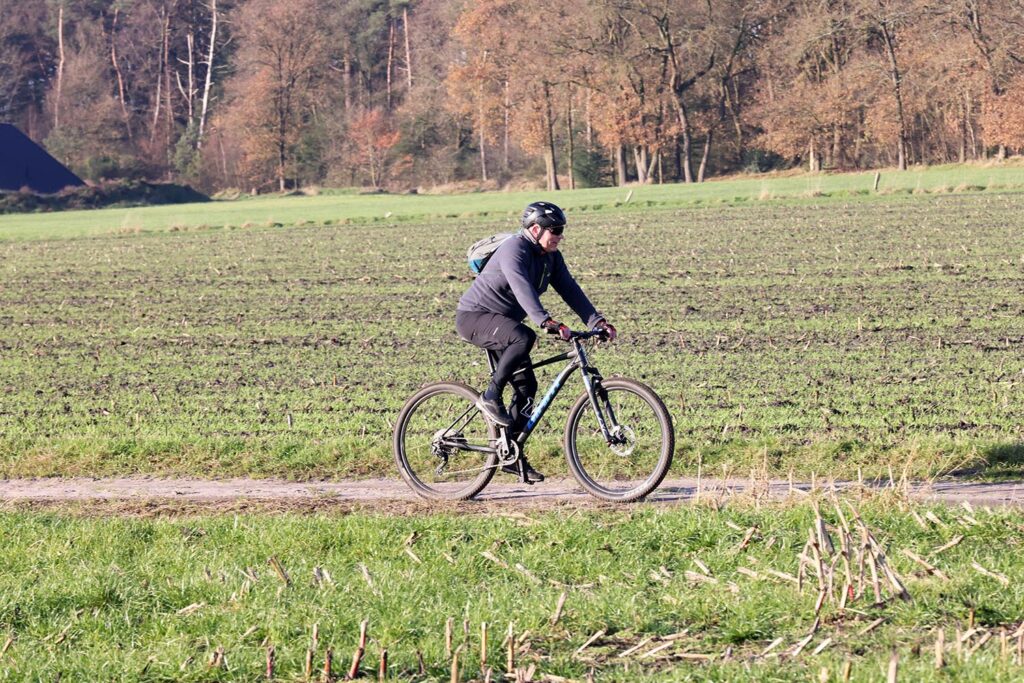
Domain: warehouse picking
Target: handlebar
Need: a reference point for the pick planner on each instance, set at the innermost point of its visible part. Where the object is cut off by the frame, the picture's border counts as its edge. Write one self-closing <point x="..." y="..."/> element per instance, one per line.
<point x="590" y="334"/>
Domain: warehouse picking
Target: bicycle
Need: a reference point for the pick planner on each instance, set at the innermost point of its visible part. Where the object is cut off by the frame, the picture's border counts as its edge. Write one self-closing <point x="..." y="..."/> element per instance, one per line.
<point x="619" y="439"/>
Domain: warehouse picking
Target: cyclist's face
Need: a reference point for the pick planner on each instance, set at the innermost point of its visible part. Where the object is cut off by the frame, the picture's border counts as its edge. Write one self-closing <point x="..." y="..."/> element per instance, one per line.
<point x="548" y="240"/>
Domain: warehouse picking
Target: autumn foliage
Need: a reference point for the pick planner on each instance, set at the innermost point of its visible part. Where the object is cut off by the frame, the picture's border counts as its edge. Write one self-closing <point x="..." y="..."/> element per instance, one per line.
<point x="271" y="95"/>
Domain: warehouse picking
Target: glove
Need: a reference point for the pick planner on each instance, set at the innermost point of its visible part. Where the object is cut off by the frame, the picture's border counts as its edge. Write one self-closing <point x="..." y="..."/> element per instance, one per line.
<point x="554" y="327"/>
<point x="608" y="328"/>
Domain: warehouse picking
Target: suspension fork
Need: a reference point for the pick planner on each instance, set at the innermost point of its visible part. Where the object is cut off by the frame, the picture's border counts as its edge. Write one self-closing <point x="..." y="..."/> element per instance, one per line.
<point x="598" y="396"/>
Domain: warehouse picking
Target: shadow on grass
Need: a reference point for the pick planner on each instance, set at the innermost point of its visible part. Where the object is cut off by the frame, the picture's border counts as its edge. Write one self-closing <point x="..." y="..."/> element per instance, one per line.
<point x="1000" y="462"/>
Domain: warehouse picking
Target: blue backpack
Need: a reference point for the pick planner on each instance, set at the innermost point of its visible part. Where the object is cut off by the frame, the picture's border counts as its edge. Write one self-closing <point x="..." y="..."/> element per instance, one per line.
<point x="481" y="251"/>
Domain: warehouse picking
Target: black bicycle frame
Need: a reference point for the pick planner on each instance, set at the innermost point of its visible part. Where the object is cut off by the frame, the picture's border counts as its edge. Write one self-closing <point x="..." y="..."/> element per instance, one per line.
<point x="577" y="359"/>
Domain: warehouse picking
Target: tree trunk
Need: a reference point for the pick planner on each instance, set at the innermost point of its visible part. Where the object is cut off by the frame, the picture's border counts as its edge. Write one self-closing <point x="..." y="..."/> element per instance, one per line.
<point x="640" y="161"/>
<point x="620" y="163"/>
<point x="549" y="151"/>
<point x="60" y="66"/>
<point x="209" y="74"/>
<point x="391" y="55"/>
<point x="897" y="88"/>
<point x="812" y="157"/>
<point x="346" y="78"/>
<point x="704" y="157"/>
<point x="570" y="142"/>
<point x="408" y="53"/>
<point x="483" y="145"/>
<point x="505" y="141"/>
<point x="190" y="66"/>
<point x="684" y="127"/>
<point x="158" y="99"/>
<point x="120" y="77"/>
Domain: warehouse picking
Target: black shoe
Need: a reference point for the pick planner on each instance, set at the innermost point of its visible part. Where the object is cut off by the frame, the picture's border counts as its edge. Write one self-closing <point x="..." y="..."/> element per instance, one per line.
<point x="532" y="475"/>
<point x="494" y="411"/>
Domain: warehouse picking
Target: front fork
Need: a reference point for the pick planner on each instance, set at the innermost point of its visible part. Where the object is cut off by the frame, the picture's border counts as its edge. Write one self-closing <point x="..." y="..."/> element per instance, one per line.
<point x="599" y="397"/>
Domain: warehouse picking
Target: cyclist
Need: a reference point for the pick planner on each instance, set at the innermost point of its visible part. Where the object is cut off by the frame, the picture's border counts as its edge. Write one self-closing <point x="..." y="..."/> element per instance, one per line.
<point x="491" y="312"/>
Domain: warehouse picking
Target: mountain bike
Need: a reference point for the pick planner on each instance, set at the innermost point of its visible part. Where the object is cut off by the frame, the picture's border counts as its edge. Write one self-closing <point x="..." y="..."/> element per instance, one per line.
<point x="618" y="441"/>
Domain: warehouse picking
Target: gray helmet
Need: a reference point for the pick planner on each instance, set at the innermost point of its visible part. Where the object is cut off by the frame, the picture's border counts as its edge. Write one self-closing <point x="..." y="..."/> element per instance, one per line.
<point x="544" y="214"/>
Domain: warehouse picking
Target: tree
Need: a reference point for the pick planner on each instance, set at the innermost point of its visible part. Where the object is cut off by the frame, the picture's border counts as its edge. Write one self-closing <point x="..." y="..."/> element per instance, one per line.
<point x="283" y="51"/>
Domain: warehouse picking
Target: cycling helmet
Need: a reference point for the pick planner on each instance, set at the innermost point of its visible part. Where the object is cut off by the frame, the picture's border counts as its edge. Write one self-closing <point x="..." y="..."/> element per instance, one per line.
<point x="544" y="214"/>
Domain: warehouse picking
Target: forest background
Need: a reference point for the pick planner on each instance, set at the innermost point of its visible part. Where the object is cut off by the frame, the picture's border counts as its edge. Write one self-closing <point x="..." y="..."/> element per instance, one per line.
<point x="402" y="94"/>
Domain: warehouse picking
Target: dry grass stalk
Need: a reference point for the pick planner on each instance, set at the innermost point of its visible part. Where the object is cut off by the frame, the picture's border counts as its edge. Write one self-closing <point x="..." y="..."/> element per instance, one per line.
<point x="986" y="636"/>
<point x="217" y="658"/>
<point x="931" y="517"/>
<point x="487" y="554"/>
<point x="414" y="556"/>
<point x="357" y="657"/>
<point x="955" y="541"/>
<point x="366" y="575"/>
<point x="799" y="647"/>
<point x="382" y="668"/>
<point x="894" y="666"/>
<point x="326" y="676"/>
<point x="278" y="568"/>
<point x="782" y="575"/>
<point x="746" y="538"/>
<point x="527" y="573"/>
<point x="309" y="664"/>
<point x="701" y="566"/>
<point x="748" y="572"/>
<point x="510" y="652"/>
<point x="700" y="578"/>
<point x="940" y="647"/>
<point x="590" y="641"/>
<point x="771" y="646"/>
<point x="448" y="625"/>
<point x="7" y="646"/>
<point x="871" y="627"/>
<point x="696" y="656"/>
<point x="455" y="665"/>
<point x="819" y="567"/>
<point x="821" y="646"/>
<point x="931" y="569"/>
<point x="270" y="663"/>
<point x="636" y="647"/>
<point x="991" y="574"/>
<point x="1004" y="643"/>
<point x="558" y="608"/>
<point x="483" y="645"/>
<point x="656" y="650"/>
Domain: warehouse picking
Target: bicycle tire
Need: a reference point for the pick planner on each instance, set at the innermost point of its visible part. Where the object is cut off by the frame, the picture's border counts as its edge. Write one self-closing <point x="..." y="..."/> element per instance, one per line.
<point x="428" y="412"/>
<point x="609" y="475"/>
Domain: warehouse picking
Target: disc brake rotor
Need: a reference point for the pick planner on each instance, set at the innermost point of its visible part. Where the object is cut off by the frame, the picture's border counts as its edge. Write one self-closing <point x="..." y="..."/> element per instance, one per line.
<point x="624" y="441"/>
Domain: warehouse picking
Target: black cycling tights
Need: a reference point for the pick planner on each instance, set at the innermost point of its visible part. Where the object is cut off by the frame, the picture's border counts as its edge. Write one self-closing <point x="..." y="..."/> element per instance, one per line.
<point x="511" y="341"/>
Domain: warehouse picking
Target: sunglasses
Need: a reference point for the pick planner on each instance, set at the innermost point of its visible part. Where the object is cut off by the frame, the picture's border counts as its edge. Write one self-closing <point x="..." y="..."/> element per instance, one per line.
<point x="556" y="229"/>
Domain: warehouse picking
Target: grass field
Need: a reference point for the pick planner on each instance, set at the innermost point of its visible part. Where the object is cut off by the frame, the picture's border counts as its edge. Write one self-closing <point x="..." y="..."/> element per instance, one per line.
<point x="346" y="208"/>
<point x="680" y="594"/>
<point x="825" y="335"/>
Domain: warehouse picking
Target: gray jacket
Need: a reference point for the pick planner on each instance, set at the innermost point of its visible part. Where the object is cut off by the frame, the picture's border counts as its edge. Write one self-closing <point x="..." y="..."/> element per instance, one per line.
<point x="514" y="278"/>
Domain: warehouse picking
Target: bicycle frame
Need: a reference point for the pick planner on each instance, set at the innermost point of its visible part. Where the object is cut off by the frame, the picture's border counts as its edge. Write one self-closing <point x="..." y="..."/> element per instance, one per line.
<point x="591" y="378"/>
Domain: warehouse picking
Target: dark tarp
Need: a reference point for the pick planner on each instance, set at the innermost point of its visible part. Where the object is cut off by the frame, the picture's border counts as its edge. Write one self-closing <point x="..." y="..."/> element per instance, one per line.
<point x="23" y="163"/>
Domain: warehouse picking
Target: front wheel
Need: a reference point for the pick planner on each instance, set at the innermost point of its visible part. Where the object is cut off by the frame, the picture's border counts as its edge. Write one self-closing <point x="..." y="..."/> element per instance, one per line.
<point x="641" y="445"/>
<point x="443" y="446"/>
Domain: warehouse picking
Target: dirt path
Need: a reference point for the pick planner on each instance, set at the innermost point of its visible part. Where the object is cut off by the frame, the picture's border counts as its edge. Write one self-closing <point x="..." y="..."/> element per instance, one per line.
<point x="392" y="494"/>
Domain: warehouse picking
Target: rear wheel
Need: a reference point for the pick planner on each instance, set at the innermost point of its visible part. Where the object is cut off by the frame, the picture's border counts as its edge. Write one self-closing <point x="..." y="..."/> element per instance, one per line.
<point x="642" y="443"/>
<point x="434" y="438"/>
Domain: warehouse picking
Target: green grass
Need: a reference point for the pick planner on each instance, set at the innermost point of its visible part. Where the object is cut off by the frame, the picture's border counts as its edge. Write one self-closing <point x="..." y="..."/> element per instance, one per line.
<point x="502" y="208"/>
<point x="150" y="599"/>
<point x="830" y="336"/>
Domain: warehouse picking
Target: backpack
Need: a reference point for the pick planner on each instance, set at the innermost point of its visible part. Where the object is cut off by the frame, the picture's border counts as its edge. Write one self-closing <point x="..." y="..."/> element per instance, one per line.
<point x="481" y="251"/>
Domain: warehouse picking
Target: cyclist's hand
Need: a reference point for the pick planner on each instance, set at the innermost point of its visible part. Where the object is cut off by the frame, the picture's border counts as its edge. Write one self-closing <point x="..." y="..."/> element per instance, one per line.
<point x="607" y="328"/>
<point x="552" y="326"/>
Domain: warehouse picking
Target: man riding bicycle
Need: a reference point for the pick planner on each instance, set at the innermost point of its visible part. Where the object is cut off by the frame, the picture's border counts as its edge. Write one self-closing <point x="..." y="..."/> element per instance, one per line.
<point x="491" y="313"/>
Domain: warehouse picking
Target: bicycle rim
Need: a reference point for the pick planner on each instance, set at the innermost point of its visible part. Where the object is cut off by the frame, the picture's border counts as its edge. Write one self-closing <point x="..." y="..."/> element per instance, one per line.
<point x="430" y="434"/>
<point x="631" y="469"/>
